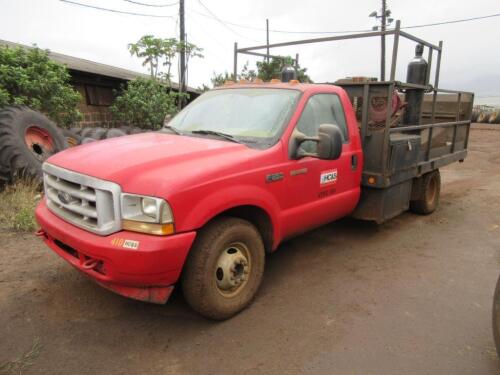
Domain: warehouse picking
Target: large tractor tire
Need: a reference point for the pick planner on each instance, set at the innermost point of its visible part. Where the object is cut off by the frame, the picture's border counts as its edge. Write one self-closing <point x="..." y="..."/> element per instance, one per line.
<point x="425" y="193"/>
<point x="27" y="139"/>
<point x="496" y="316"/>
<point x="224" y="268"/>
<point x="4" y="176"/>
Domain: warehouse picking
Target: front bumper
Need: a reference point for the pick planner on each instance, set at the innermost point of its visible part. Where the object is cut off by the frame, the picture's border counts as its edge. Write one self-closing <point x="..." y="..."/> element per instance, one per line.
<point x="139" y="266"/>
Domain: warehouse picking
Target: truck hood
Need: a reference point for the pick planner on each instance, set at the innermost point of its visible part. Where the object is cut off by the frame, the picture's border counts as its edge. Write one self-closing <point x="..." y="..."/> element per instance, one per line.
<point x="147" y="163"/>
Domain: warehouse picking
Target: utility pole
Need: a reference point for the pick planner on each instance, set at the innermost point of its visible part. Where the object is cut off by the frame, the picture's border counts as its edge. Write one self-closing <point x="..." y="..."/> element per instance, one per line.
<point x="267" y="39"/>
<point x="385" y="20"/>
<point x="382" y="42"/>
<point x="182" y="52"/>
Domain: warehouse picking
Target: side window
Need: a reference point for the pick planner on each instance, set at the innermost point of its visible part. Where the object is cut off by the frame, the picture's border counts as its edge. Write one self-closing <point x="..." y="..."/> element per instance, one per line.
<point x="321" y="109"/>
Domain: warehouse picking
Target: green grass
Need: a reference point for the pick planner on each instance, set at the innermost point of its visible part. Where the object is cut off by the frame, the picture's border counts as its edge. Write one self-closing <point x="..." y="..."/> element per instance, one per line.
<point x="18" y="365"/>
<point x="17" y="206"/>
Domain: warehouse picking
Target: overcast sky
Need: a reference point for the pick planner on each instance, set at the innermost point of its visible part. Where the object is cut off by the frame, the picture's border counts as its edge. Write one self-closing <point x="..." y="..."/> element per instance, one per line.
<point x="471" y="57"/>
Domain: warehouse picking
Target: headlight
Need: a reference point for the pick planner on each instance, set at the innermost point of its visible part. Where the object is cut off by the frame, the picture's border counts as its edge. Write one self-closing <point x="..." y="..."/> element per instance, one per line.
<point x="146" y="214"/>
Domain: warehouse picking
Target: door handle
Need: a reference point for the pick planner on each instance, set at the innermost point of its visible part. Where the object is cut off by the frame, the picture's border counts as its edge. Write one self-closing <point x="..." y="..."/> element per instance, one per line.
<point x="354" y="162"/>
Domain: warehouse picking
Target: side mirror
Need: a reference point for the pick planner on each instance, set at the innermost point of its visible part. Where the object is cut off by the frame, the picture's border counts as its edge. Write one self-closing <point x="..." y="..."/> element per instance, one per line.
<point x="329" y="142"/>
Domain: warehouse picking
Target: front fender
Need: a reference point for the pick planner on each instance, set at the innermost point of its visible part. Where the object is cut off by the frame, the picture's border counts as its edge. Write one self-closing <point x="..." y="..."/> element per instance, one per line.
<point x="224" y="199"/>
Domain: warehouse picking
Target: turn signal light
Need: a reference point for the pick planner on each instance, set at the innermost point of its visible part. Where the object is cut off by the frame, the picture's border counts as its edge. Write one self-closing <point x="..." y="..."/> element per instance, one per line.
<point x="149" y="228"/>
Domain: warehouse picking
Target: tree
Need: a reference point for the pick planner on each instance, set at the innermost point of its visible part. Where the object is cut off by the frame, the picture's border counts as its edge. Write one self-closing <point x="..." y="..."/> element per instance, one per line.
<point x="144" y="103"/>
<point x="265" y="71"/>
<point x="272" y="69"/>
<point x="29" y="77"/>
<point x="218" y="79"/>
<point x="158" y="53"/>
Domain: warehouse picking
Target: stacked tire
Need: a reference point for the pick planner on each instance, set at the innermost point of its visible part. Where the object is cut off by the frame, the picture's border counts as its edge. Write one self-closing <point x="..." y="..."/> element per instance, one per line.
<point x="494" y="118"/>
<point x="27" y="139"/>
<point x="92" y="134"/>
<point x="483" y="117"/>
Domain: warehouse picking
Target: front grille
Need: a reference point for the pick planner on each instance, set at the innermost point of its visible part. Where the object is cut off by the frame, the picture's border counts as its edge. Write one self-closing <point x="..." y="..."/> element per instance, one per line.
<point x="84" y="201"/>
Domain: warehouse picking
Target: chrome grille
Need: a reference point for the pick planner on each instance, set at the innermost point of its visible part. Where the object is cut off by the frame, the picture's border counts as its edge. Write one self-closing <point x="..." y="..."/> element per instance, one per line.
<point x="87" y="202"/>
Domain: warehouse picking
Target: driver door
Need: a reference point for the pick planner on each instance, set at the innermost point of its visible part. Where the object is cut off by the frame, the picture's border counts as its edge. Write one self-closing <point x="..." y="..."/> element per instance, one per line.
<point x="320" y="191"/>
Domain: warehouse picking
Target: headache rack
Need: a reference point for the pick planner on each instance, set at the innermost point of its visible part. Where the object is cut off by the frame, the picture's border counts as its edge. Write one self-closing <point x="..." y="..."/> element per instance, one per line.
<point x="397" y="153"/>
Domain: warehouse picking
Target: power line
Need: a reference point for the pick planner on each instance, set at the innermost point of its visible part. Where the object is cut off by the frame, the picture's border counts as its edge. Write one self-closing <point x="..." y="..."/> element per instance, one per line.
<point x="279" y="31"/>
<point x="226" y="23"/>
<point x="200" y="21"/>
<point x="453" y="21"/>
<point x="152" y="5"/>
<point x="116" y="11"/>
<point x="343" y="31"/>
<point x="219" y="20"/>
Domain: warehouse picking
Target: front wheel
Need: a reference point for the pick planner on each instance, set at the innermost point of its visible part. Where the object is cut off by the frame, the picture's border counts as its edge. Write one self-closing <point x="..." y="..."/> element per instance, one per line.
<point x="224" y="269"/>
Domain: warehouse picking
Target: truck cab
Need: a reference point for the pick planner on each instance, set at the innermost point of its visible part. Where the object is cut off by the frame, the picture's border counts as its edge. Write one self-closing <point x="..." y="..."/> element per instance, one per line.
<point x="238" y="171"/>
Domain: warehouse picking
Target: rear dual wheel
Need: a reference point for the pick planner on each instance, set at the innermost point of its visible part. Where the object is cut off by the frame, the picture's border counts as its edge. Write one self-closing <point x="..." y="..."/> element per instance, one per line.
<point x="425" y="193"/>
<point x="224" y="269"/>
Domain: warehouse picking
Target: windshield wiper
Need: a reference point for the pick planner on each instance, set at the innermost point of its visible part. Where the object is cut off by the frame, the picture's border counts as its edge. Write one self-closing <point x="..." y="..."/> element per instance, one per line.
<point x="229" y="137"/>
<point x="174" y="130"/>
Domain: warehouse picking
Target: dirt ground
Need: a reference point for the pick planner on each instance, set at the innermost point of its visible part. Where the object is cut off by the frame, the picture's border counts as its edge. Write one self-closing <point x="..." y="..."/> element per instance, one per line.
<point x="412" y="296"/>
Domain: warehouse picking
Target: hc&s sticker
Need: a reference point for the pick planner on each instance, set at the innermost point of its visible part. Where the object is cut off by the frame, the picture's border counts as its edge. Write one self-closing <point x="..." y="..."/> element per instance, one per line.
<point x="127" y="244"/>
<point x="328" y="177"/>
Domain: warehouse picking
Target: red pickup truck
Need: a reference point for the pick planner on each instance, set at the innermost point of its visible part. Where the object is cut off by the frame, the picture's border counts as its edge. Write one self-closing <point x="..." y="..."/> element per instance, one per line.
<point x="235" y="173"/>
<point x="230" y="177"/>
<point x="243" y="168"/>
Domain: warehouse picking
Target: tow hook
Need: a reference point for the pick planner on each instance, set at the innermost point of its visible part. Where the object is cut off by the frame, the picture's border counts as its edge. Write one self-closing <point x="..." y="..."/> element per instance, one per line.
<point x="41" y="233"/>
<point x="90" y="263"/>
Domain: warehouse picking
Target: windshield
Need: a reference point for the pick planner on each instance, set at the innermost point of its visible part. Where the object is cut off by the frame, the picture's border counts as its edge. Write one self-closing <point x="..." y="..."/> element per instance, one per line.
<point x="249" y="115"/>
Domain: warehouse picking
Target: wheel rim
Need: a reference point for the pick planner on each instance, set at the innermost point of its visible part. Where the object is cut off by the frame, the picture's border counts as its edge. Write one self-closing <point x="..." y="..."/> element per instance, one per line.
<point x="39" y="142"/>
<point x="233" y="269"/>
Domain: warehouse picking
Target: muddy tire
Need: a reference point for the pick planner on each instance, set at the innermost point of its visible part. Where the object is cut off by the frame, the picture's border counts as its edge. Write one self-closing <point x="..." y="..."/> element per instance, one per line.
<point x="496" y="317"/>
<point x="137" y="131"/>
<point x="474" y="116"/>
<point x="4" y="176"/>
<point x="483" y="117"/>
<point x="76" y="130"/>
<point x="98" y="133"/>
<point x="224" y="268"/>
<point x="85" y="132"/>
<point x="72" y="139"/>
<point x="494" y="118"/>
<point x="425" y="193"/>
<point x="114" y="133"/>
<point x="87" y="140"/>
<point x="27" y="139"/>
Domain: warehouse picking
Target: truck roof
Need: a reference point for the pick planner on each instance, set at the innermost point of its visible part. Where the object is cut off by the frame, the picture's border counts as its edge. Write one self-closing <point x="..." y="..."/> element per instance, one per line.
<point x="292" y="85"/>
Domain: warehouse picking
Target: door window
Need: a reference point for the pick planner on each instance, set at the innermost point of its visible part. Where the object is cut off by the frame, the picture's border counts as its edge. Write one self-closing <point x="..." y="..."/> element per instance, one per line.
<point x="321" y="109"/>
